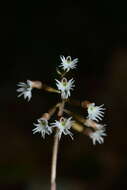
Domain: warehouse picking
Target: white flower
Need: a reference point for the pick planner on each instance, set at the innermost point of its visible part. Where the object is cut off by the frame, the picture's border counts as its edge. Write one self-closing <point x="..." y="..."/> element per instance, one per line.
<point x="42" y="127"/>
<point x="65" y="86"/>
<point x="68" y="63"/>
<point x="97" y="136"/>
<point x="95" y="112"/>
<point x="25" y="89"/>
<point x="63" y="126"/>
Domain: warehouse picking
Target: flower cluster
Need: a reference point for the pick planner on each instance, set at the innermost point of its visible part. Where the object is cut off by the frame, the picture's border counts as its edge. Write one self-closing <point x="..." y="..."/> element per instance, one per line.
<point x="62" y="125"/>
<point x="95" y="113"/>
<point x="65" y="86"/>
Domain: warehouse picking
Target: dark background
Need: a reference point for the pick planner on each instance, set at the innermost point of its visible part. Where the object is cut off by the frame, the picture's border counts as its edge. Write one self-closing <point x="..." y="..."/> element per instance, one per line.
<point x="32" y="37"/>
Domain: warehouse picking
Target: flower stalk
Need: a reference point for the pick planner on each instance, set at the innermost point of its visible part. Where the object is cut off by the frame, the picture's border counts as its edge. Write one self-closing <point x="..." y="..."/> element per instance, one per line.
<point x="55" y="149"/>
<point x="88" y="125"/>
<point x="54" y="162"/>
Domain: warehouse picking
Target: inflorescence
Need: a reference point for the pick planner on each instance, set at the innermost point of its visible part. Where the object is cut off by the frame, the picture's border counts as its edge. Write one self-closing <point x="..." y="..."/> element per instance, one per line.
<point x="89" y="126"/>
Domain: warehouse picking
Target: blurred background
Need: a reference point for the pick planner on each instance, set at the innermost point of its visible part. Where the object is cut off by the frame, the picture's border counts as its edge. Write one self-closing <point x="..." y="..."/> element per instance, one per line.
<point x="32" y="37"/>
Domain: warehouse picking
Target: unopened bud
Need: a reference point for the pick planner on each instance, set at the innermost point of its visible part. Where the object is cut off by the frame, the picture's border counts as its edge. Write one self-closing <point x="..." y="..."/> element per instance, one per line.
<point x="46" y="116"/>
<point x="85" y="104"/>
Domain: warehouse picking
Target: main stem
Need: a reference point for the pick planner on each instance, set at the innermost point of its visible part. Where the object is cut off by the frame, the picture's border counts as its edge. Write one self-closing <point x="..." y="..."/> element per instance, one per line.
<point x="54" y="163"/>
<point x="55" y="151"/>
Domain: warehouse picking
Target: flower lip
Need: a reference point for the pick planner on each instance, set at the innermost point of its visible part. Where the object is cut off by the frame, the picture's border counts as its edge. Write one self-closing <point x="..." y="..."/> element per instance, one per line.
<point x="68" y="59"/>
<point x="62" y="120"/>
<point x="64" y="81"/>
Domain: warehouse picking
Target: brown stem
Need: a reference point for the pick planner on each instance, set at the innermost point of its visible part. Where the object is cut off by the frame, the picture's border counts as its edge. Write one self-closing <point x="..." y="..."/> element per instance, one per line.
<point x="50" y="89"/>
<point x="40" y="85"/>
<point x="74" y="102"/>
<point x="61" y="109"/>
<point x="76" y="116"/>
<point x="54" y="163"/>
<point x="55" y="150"/>
<point x="51" y="112"/>
<point x="78" y="127"/>
<point x="63" y="74"/>
<point x="82" y="104"/>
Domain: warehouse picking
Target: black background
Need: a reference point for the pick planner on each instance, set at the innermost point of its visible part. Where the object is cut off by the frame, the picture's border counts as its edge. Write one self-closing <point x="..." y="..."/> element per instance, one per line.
<point x="32" y="37"/>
